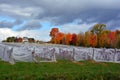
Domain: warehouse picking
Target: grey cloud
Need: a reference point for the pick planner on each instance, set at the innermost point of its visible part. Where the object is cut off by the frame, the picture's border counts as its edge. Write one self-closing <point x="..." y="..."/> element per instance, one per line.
<point x="7" y="24"/>
<point x="100" y="16"/>
<point x="18" y="21"/>
<point x="4" y="24"/>
<point x="88" y="16"/>
<point x="19" y="11"/>
<point x="113" y="25"/>
<point x="108" y="17"/>
<point x="61" y="12"/>
<point x="45" y="8"/>
<point x="30" y="25"/>
<point x="95" y="16"/>
<point x="18" y="2"/>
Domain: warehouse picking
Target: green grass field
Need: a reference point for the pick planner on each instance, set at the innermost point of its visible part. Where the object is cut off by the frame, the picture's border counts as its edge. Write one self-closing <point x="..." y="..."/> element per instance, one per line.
<point x="61" y="70"/>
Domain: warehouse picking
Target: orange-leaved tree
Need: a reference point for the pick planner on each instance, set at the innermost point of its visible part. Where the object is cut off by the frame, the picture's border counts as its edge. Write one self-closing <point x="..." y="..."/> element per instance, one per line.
<point x="59" y="38"/>
<point x="112" y="37"/>
<point x="53" y="33"/>
<point x="68" y="38"/>
<point x="93" y="40"/>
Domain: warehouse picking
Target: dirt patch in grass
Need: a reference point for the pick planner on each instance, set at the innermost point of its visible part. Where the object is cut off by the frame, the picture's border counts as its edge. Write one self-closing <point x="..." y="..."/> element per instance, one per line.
<point x="78" y="63"/>
<point x="101" y="63"/>
<point x="98" y="63"/>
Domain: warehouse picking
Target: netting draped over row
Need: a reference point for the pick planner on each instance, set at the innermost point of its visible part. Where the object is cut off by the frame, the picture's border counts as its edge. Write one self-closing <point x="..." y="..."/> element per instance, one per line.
<point x="100" y="55"/>
<point x="5" y="52"/>
<point x="39" y="53"/>
<point x="24" y="53"/>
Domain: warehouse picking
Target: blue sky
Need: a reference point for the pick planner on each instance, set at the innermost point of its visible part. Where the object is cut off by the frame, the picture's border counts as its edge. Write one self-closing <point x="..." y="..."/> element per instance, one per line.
<point x="35" y="18"/>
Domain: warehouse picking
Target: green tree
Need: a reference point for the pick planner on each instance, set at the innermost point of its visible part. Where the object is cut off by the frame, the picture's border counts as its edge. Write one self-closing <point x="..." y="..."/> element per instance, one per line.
<point x="10" y="39"/>
<point x="97" y="29"/>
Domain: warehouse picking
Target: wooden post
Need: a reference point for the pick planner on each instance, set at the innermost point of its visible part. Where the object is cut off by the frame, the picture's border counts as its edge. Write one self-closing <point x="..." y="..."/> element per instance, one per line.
<point x="115" y="55"/>
<point x="54" y="56"/>
<point x="4" y="53"/>
<point x="11" y="59"/>
<point x="93" y="54"/>
<point x="73" y="54"/>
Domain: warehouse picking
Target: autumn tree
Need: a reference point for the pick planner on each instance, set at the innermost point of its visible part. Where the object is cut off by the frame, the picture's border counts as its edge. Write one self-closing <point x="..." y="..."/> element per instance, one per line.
<point x="98" y="36"/>
<point x="87" y="39"/>
<point x="104" y="41"/>
<point x="53" y="33"/>
<point x="93" y="40"/>
<point x="74" y="39"/>
<point x="68" y="38"/>
<point x="80" y="39"/>
<point x="112" y="38"/>
<point x="117" y="38"/>
<point x="20" y="39"/>
<point x="97" y="29"/>
<point x="31" y="40"/>
<point x="59" y="38"/>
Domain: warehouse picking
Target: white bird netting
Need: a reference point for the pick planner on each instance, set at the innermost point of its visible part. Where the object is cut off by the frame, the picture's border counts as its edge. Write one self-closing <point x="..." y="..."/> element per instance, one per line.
<point x="48" y="53"/>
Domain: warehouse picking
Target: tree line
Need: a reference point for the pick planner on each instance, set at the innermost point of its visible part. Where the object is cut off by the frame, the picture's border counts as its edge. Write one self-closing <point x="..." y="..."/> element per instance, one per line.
<point x="97" y="37"/>
<point x="19" y="39"/>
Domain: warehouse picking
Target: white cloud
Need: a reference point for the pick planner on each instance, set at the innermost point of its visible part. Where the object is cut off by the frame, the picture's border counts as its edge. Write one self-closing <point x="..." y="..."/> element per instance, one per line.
<point x="75" y="28"/>
<point x="5" y="32"/>
<point x="38" y="35"/>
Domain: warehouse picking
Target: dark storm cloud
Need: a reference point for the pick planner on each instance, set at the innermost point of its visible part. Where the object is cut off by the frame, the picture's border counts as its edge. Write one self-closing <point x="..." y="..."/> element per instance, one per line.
<point x="61" y="12"/>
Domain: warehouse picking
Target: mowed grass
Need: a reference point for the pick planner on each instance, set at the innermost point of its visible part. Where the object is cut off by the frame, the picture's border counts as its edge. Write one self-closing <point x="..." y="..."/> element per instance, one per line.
<point x="60" y="70"/>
